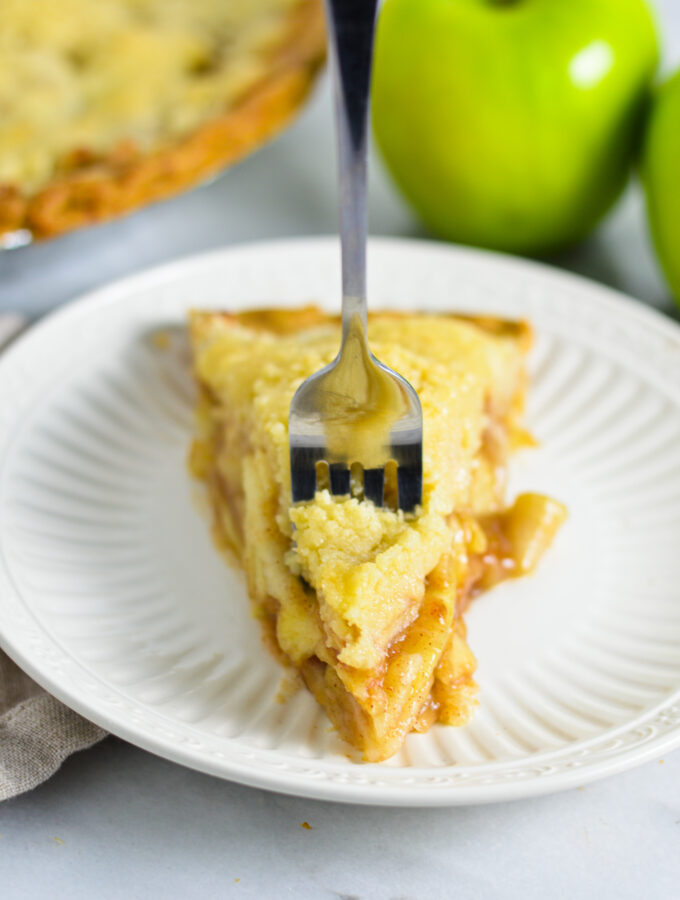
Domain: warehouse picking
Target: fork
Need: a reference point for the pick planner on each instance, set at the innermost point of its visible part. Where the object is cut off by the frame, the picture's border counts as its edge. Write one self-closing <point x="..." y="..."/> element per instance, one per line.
<point x="356" y="426"/>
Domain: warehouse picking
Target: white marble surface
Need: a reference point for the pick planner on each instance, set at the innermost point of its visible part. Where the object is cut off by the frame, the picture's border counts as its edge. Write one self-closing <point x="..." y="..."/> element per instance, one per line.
<point x="117" y="822"/>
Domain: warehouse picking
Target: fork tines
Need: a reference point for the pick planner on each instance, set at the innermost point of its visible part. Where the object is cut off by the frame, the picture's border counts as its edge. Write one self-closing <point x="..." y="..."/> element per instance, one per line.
<point x="396" y="485"/>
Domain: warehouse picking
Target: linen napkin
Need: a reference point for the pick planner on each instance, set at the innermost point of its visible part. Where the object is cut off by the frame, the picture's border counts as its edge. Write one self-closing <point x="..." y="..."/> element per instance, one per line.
<point x="37" y="732"/>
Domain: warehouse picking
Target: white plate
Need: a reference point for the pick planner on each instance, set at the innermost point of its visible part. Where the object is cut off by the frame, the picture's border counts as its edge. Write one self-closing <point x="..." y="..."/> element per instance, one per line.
<point x="113" y="598"/>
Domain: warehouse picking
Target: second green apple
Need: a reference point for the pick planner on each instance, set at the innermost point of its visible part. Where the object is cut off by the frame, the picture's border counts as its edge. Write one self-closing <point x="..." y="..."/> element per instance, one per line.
<point x="511" y="123"/>
<point x="661" y="177"/>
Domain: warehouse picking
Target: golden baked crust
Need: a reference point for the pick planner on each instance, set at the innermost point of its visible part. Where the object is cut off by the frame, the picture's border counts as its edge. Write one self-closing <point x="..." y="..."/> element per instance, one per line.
<point x="364" y="601"/>
<point x="91" y="183"/>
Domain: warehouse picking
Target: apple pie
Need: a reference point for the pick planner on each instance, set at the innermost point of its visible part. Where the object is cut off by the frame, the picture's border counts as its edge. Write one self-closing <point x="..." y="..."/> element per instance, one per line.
<point x="110" y="104"/>
<point x="364" y="601"/>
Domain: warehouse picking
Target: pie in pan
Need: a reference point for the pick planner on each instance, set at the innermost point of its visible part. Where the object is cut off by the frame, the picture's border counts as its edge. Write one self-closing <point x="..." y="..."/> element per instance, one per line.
<point x="110" y="104"/>
<point x="364" y="602"/>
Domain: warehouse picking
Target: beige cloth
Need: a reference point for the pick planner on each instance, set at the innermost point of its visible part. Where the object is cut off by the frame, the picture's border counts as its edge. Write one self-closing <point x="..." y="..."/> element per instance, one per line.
<point x="37" y="732"/>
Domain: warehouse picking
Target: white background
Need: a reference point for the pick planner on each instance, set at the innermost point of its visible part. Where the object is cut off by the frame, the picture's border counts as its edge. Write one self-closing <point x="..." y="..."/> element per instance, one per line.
<point x="117" y="822"/>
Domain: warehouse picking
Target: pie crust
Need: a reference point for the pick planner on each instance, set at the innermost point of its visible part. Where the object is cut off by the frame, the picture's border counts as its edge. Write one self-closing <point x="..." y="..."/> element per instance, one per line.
<point x="90" y="185"/>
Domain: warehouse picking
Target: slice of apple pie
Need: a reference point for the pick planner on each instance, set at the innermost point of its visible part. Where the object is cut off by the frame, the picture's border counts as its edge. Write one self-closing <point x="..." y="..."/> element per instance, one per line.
<point x="365" y="602"/>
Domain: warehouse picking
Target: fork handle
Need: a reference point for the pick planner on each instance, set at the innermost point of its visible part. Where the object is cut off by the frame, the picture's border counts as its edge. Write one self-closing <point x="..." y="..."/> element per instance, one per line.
<point x="351" y="25"/>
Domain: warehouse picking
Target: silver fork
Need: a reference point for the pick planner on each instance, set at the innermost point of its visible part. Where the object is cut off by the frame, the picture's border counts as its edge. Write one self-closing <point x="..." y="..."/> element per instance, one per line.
<point x="356" y="419"/>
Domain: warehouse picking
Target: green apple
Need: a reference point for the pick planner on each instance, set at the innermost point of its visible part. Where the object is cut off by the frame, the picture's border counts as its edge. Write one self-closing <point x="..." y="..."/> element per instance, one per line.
<point x="511" y="123"/>
<point x="661" y="177"/>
